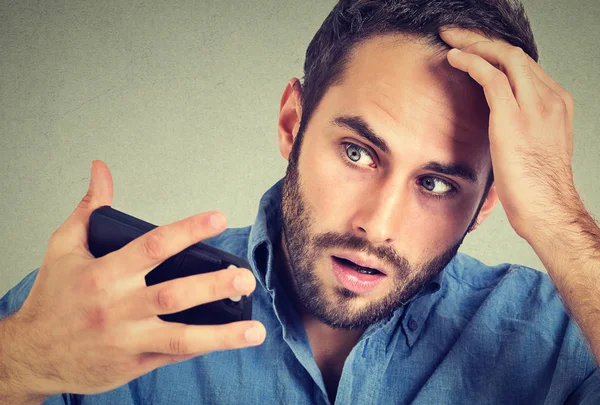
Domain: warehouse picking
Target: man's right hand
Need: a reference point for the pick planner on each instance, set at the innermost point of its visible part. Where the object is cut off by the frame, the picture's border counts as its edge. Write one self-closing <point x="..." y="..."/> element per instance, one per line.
<point x="90" y="325"/>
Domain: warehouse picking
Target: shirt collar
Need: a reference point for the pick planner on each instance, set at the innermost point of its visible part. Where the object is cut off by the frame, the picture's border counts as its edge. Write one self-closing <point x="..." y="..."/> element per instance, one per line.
<point x="264" y="238"/>
<point x="264" y="235"/>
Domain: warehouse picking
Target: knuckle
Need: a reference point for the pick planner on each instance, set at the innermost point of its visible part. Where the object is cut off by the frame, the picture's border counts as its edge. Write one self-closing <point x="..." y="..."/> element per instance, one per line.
<point x="165" y="300"/>
<point x="516" y="55"/>
<point x="87" y="200"/>
<point x="556" y="104"/>
<point x="152" y="246"/>
<point x="212" y="288"/>
<point x="55" y="236"/>
<point x="569" y="99"/>
<point x="93" y="283"/>
<point x="540" y="108"/>
<point x="97" y="317"/>
<point x="177" y="345"/>
<point x="194" y="226"/>
<point x="499" y="78"/>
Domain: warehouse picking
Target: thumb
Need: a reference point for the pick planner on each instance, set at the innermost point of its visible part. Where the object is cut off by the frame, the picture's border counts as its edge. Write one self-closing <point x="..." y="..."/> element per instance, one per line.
<point x="74" y="231"/>
<point x="100" y="190"/>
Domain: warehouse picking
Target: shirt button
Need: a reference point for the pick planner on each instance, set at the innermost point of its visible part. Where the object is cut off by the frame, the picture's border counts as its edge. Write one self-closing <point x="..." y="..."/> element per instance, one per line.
<point x="412" y="325"/>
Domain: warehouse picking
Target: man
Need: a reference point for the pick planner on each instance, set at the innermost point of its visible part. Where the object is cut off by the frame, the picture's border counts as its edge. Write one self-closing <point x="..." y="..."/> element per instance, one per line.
<point x="395" y="154"/>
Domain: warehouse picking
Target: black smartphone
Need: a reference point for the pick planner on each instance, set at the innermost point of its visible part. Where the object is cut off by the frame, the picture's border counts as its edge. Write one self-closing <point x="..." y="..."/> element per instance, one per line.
<point x="110" y="230"/>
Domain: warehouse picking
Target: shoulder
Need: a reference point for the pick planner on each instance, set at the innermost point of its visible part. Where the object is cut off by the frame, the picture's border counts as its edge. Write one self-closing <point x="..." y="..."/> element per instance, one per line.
<point x="522" y="307"/>
<point x="517" y="281"/>
<point x="510" y="297"/>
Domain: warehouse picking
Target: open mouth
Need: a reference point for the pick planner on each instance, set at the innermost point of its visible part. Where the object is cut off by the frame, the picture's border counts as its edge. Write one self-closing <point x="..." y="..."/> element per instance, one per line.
<point x="354" y="266"/>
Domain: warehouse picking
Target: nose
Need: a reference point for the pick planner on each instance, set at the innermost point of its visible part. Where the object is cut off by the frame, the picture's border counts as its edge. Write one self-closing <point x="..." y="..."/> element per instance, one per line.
<point x="379" y="215"/>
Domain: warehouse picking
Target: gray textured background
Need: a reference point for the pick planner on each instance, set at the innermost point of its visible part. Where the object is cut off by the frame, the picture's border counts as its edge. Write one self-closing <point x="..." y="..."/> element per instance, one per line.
<point x="181" y="100"/>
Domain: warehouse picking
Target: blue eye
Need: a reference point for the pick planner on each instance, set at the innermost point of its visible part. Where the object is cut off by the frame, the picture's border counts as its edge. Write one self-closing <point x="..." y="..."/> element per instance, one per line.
<point x="437" y="187"/>
<point x="355" y="153"/>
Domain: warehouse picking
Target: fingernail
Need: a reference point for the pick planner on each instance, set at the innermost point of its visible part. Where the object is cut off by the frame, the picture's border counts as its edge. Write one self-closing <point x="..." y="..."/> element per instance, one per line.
<point x="241" y="283"/>
<point x="252" y="335"/>
<point x="455" y="50"/>
<point x="217" y="221"/>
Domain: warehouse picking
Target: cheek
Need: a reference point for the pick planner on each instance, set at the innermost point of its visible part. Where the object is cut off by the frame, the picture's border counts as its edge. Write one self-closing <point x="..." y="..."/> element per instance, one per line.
<point x="431" y="226"/>
<point x="433" y="231"/>
<point x="441" y="223"/>
<point x="329" y="182"/>
<point x="331" y="197"/>
<point x="326" y="190"/>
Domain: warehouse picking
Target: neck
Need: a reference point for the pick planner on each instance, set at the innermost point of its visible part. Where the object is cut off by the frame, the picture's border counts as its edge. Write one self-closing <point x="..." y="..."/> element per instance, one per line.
<point x="330" y="347"/>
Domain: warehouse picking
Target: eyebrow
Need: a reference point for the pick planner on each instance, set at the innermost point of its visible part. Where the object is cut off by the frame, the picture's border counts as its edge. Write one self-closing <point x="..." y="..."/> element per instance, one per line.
<point x="359" y="126"/>
<point x="362" y="128"/>
<point x="454" y="169"/>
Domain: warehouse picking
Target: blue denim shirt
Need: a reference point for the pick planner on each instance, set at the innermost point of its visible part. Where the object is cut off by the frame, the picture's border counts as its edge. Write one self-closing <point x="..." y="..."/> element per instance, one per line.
<point x="475" y="335"/>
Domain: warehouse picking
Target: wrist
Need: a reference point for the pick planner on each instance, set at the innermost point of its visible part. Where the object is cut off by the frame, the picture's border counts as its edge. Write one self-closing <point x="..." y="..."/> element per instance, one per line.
<point x="559" y="210"/>
<point x="567" y="239"/>
<point x="16" y="378"/>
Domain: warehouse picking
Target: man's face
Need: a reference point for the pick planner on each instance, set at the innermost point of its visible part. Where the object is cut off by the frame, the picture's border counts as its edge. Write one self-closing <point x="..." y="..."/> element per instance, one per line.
<point x="346" y="194"/>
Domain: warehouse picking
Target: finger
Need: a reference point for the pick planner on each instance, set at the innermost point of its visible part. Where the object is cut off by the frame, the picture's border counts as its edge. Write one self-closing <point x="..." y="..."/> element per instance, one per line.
<point x="529" y="100"/>
<point x="180" y="339"/>
<point x="496" y="87"/>
<point x="151" y="249"/>
<point x="186" y="292"/>
<point x="460" y="38"/>
<point x="73" y="232"/>
<point x="529" y="91"/>
<point x="557" y="88"/>
<point x="545" y="86"/>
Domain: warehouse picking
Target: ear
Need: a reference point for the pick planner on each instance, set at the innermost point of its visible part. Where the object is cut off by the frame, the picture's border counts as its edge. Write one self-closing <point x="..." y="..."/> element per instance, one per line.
<point x="487" y="207"/>
<point x="290" y="113"/>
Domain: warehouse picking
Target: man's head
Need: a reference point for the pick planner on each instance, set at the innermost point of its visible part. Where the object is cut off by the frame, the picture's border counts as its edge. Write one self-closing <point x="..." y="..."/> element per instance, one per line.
<point x="388" y="153"/>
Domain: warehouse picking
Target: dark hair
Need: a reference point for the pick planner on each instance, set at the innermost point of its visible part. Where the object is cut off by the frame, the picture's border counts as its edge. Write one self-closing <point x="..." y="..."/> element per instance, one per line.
<point x="354" y="21"/>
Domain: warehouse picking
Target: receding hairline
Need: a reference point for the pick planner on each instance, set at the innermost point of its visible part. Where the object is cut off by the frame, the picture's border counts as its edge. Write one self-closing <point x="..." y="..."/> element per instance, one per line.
<point x="433" y="52"/>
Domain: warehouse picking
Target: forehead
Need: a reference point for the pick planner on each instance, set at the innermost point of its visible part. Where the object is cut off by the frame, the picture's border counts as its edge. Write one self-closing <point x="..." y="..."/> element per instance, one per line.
<point x="407" y="89"/>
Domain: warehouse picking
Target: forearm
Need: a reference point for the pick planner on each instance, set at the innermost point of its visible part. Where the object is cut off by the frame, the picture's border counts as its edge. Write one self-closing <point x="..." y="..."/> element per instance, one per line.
<point x="14" y="389"/>
<point x="570" y="251"/>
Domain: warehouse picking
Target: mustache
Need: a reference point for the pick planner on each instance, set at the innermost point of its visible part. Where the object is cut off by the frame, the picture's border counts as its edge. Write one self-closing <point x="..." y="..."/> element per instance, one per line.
<point x="332" y="240"/>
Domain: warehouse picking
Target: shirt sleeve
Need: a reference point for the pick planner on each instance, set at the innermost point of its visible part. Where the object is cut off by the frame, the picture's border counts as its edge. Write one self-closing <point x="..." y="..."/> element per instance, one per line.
<point x="13" y="300"/>
<point x="588" y="392"/>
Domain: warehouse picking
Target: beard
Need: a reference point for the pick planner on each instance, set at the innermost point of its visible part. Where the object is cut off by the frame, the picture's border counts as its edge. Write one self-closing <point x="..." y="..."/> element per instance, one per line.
<point x="338" y="308"/>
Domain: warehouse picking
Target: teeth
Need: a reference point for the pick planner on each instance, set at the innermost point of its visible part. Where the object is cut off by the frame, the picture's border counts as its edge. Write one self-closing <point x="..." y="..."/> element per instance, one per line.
<point x="366" y="271"/>
<point x="237" y="298"/>
<point x="360" y="269"/>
